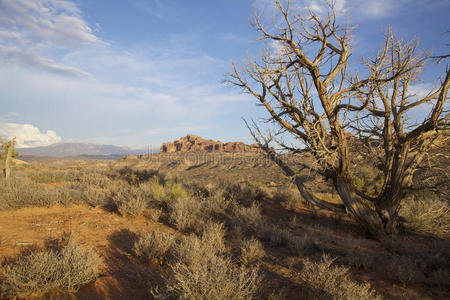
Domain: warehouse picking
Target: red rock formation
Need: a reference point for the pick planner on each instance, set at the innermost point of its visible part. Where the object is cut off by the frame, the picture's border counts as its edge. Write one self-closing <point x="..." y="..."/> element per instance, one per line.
<point x="193" y="143"/>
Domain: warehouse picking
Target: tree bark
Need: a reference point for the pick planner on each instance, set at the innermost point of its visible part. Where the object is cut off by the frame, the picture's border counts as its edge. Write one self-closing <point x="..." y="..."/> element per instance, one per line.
<point x="358" y="209"/>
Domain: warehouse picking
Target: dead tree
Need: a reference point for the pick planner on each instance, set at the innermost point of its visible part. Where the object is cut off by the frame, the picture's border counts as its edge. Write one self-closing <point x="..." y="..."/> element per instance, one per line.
<point x="9" y="149"/>
<point x="306" y="85"/>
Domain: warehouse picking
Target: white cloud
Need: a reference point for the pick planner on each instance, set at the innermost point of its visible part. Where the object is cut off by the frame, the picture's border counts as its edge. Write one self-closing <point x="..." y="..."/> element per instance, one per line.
<point x="56" y="21"/>
<point x="30" y="28"/>
<point x="113" y="94"/>
<point x="28" y="135"/>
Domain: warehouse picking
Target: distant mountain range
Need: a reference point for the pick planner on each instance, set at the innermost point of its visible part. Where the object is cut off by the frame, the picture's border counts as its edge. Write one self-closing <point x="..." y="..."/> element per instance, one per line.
<point x="70" y="149"/>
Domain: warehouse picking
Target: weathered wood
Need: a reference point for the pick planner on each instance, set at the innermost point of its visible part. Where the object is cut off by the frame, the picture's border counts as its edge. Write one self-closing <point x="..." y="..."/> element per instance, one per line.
<point x="9" y="149"/>
<point x="311" y="95"/>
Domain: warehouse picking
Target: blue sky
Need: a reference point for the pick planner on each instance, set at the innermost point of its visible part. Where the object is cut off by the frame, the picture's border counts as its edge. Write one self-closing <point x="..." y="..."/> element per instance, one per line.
<point x="140" y="72"/>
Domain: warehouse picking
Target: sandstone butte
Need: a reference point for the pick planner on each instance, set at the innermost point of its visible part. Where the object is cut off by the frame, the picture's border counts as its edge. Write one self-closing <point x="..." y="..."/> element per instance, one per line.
<point x="193" y="143"/>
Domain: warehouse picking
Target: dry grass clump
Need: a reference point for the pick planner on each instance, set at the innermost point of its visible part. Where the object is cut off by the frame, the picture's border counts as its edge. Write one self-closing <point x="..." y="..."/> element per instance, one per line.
<point x="155" y="245"/>
<point x="327" y="281"/>
<point x="67" y="269"/>
<point x="429" y="215"/>
<point x="252" y="252"/>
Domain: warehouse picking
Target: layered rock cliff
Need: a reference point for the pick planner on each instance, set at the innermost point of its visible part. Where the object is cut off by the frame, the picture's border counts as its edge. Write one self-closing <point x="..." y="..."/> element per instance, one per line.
<point x="193" y="143"/>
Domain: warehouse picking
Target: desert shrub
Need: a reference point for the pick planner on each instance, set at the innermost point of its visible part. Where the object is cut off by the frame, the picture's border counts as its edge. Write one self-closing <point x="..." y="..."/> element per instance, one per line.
<point x="49" y="176"/>
<point x="247" y="218"/>
<point x="429" y="215"/>
<point x="185" y="213"/>
<point x="155" y="245"/>
<point x="130" y="202"/>
<point x="367" y="179"/>
<point x="245" y="193"/>
<point x="82" y="178"/>
<point x="252" y="252"/>
<point x="161" y="195"/>
<point x="154" y="193"/>
<point x="155" y="214"/>
<point x="216" y="205"/>
<point x="214" y="234"/>
<point x="175" y="191"/>
<point x="325" y="280"/>
<point x="216" y="278"/>
<point x="23" y="192"/>
<point x="275" y="235"/>
<point x="290" y="198"/>
<point x="95" y="196"/>
<point x="195" y="249"/>
<point x="404" y="269"/>
<point x="299" y="245"/>
<point x="67" y="269"/>
<point x="358" y="259"/>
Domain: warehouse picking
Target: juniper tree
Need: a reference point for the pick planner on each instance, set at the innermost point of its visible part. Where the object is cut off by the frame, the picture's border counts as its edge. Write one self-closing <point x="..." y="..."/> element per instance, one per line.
<point x="312" y="93"/>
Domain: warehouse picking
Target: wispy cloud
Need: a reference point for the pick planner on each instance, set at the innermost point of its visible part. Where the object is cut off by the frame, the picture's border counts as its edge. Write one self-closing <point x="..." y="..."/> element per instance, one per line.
<point x="162" y="9"/>
<point x="28" y="135"/>
<point x="93" y="91"/>
<point x="55" y="21"/>
<point x="356" y="9"/>
<point x="30" y="28"/>
<point x="15" y="55"/>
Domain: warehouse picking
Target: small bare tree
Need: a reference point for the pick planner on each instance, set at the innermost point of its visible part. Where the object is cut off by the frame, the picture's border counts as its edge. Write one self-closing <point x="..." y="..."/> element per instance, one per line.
<point x="306" y="86"/>
<point x="9" y="149"/>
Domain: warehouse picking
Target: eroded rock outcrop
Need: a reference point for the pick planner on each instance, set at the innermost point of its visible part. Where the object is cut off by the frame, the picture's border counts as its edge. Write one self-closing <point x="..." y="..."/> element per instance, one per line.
<point x="193" y="143"/>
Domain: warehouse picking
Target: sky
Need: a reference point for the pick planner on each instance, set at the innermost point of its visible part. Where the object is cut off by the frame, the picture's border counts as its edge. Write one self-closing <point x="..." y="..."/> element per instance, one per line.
<point x="141" y="72"/>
